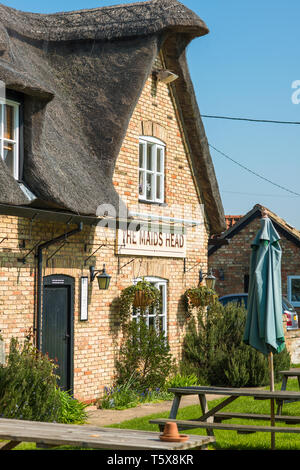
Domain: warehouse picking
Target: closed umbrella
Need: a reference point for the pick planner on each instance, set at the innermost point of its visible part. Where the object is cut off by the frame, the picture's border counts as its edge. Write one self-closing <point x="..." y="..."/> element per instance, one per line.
<point x="264" y="324"/>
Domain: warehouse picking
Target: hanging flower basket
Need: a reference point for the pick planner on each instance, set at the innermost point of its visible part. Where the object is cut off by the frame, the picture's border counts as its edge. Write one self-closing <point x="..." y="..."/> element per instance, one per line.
<point x="141" y="295"/>
<point x="141" y="299"/>
<point x="199" y="297"/>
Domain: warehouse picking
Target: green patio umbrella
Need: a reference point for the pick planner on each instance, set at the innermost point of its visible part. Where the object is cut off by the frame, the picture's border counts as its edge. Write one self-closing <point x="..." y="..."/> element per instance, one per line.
<point x="264" y="323"/>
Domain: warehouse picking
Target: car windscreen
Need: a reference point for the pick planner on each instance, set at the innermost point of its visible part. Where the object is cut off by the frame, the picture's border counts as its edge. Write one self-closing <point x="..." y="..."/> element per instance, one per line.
<point x="241" y="301"/>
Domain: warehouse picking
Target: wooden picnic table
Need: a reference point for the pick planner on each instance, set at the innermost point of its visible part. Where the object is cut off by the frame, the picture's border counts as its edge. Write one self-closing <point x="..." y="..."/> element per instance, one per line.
<point x="286" y="374"/>
<point x="55" y="434"/>
<point x="213" y="419"/>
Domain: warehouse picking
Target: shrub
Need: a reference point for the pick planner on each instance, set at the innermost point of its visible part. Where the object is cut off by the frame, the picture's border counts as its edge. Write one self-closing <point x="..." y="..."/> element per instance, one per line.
<point x="145" y="354"/>
<point x="28" y="385"/>
<point x="214" y="347"/>
<point x="28" y="388"/>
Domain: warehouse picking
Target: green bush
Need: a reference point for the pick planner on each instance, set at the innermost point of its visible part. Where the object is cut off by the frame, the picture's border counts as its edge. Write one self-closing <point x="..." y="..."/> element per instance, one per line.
<point x="28" y="385"/>
<point x="28" y="388"/>
<point x="214" y="347"/>
<point x="145" y="354"/>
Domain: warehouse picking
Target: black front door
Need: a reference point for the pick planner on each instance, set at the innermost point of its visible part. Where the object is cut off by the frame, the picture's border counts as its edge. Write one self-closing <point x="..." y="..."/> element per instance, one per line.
<point x="57" y="326"/>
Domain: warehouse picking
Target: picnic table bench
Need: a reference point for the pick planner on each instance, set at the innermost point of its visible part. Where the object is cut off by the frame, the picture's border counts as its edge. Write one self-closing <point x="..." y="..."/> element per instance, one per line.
<point x="55" y="434"/>
<point x="212" y="419"/>
<point x="295" y="372"/>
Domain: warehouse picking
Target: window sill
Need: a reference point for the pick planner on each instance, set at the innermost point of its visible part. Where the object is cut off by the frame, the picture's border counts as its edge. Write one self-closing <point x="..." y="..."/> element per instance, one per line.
<point x="153" y="203"/>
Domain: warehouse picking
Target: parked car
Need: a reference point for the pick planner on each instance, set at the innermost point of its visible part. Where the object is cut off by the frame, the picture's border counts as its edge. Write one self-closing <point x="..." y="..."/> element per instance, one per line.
<point x="287" y="308"/>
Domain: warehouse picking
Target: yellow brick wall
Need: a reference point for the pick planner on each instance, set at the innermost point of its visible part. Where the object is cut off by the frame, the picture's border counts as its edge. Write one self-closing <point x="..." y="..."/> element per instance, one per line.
<point x="96" y="341"/>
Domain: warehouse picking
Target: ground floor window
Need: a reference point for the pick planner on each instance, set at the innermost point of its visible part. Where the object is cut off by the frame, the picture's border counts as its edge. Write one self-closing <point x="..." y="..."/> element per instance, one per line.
<point x="151" y="314"/>
<point x="294" y="290"/>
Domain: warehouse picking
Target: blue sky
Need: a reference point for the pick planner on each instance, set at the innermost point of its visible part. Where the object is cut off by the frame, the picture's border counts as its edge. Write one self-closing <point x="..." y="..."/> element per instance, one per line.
<point x="244" y="67"/>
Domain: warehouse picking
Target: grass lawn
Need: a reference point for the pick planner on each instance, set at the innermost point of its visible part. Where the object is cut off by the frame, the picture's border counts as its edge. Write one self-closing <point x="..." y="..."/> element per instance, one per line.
<point x="225" y="440"/>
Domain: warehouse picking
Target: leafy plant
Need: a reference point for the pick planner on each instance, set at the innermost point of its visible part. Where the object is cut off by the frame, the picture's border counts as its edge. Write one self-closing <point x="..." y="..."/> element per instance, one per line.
<point x="179" y="380"/>
<point x="72" y="411"/>
<point x="144" y="353"/>
<point x="141" y="295"/>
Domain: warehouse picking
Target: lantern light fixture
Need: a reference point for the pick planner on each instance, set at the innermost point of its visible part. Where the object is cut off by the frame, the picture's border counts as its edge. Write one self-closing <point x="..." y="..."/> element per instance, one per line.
<point x="210" y="279"/>
<point x="103" y="278"/>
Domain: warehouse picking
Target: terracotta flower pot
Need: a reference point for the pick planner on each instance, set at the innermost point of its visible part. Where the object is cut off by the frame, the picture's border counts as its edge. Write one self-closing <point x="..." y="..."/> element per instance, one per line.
<point x="171" y="433"/>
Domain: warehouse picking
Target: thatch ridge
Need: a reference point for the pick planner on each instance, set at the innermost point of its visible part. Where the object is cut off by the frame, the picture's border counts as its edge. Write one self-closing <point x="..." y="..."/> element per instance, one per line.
<point x="125" y="20"/>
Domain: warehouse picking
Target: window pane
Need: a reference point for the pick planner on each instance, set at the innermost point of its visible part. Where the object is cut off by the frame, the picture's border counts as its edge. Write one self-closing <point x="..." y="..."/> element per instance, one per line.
<point x="149" y="186"/>
<point x="9" y="122"/>
<point x="158" y="187"/>
<point x="141" y="182"/>
<point x="149" y="157"/>
<point x="141" y="155"/>
<point x="159" y="160"/>
<point x="295" y="290"/>
<point x="161" y="325"/>
<point x="8" y="156"/>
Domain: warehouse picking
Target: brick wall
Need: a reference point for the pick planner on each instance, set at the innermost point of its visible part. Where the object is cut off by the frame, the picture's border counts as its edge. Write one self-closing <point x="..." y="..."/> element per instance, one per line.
<point x="96" y="341"/>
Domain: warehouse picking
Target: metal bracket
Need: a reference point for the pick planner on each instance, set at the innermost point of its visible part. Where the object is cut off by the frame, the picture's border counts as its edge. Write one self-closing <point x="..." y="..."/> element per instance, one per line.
<point x="120" y="267"/>
<point x="23" y="260"/>
<point x="53" y="254"/>
<point x="5" y="238"/>
<point x="187" y="270"/>
<point x="99" y="247"/>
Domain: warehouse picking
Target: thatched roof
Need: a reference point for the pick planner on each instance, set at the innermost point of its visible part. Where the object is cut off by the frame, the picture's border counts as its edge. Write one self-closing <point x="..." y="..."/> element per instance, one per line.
<point x="82" y="74"/>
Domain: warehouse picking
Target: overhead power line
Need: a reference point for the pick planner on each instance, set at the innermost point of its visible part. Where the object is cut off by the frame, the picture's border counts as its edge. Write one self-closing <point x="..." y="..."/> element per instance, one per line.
<point x="253" y="172"/>
<point x="249" y="119"/>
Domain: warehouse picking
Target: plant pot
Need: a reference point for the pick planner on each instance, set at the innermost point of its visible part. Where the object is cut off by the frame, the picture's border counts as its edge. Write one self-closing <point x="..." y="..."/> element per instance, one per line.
<point x="196" y="301"/>
<point x="171" y="433"/>
<point x="141" y="300"/>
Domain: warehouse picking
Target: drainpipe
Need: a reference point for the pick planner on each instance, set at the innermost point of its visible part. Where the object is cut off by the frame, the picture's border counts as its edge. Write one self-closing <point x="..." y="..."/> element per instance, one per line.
<point x="40" y="276"/>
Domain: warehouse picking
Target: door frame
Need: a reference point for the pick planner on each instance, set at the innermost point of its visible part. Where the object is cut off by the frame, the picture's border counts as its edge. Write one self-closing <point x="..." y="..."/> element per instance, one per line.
<point x="64" y="280"/>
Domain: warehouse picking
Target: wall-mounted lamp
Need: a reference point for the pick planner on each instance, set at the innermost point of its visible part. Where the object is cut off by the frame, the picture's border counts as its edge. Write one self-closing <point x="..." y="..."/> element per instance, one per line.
<point x="103" y="278"/>
<point x="166" y="76"/>
<point x="210" y="279"/>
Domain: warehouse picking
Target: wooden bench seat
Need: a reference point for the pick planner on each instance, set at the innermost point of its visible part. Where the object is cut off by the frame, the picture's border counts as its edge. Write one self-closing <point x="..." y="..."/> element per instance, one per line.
<point x="219" y="417"/>
<point x="242" y="428"/>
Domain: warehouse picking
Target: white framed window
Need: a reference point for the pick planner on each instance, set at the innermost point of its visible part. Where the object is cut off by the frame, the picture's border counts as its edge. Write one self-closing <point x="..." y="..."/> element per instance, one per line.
<point x="294" y="290"/>
<point x="151" y="169"/>
<point x="9" y="135"/>
<point x="151" y="314"/>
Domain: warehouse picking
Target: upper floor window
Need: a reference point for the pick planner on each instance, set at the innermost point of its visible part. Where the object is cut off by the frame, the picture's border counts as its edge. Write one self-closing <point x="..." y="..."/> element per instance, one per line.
<point x="9" y="135"/>
<point x="151" y="169"/>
